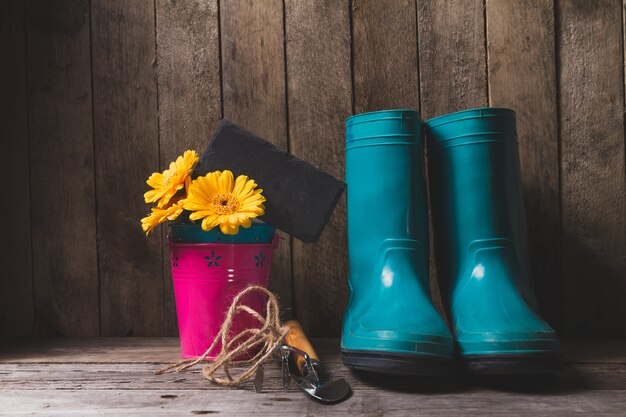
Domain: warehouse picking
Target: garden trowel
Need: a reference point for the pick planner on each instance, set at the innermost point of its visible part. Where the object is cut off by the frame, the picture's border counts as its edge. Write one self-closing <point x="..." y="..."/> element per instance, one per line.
<point x="301" y="363"/>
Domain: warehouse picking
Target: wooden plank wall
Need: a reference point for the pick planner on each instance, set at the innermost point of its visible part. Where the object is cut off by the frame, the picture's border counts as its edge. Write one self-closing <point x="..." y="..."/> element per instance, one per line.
<point x="95" y="95"/>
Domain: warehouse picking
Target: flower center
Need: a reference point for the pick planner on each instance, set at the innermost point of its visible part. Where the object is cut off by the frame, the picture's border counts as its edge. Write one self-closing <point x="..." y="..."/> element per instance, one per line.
<point x="224" y="204"/>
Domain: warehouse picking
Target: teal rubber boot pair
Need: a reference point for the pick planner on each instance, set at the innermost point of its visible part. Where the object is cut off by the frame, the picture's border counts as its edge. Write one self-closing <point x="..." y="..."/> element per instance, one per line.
<point x="391" y="324"/>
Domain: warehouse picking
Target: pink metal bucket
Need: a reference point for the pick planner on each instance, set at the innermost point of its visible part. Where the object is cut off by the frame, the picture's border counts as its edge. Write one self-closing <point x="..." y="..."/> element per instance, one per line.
<point x="207" y="277"/>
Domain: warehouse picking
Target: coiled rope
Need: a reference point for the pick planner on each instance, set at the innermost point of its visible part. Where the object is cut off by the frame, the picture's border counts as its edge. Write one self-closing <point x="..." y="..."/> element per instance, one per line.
<point x="269" y="336"/>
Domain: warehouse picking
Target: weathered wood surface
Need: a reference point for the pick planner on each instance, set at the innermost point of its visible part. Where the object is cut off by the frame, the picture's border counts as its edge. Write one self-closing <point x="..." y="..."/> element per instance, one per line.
<point x="189" y="96"/>
<point x="320" y="99"/>
<point x="384" y="43"/>
<point x="292" y="404"/>
<point x="126" y="138"/>
<point x="164" y="349"/>
<point x="16" y="289"/>
<point x="522" y="76"/>
<point x="253" y="73"/>
<point x="61" y="149"/>
<point x="452" y="75"/>
<point x="116" y="376"/>
<point x="92" y="376"/>
<point x="452" y="55"/>
<point x="142" y="81"/>
<point x="591" y="84"/>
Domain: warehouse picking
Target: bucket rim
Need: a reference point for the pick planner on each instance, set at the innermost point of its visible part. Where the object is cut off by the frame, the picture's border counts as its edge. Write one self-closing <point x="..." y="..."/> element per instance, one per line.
<point x="210" y="245"/>
<point x="258" y="232"/>
<point x="273" y="243"/>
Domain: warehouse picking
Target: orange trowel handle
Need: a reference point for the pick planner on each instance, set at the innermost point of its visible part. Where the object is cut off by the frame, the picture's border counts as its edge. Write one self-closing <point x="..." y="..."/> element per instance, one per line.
<point x="296" y="338"/>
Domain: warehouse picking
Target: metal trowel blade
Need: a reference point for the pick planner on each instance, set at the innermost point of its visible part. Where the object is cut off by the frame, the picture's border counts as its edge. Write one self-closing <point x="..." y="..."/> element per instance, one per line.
<point x="329" y="392"/>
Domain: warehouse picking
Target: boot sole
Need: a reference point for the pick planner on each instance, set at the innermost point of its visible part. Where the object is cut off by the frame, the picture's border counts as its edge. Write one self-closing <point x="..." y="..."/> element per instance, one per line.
<point x="396" y="363"/>
<point x="531" y="363"/>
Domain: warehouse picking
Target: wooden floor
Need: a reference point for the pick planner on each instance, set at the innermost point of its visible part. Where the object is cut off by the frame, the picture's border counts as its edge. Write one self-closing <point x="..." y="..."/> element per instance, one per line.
<point x="115" y="376"/>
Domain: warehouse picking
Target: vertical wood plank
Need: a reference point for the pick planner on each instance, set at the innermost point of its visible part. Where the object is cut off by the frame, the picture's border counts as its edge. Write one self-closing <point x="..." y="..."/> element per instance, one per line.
<point x="385" y="55"/>
<point x="320" y="98"/>
<point x="386" y="73"/>
<point x="16" y="283"/>
<point x="452" y="55"/>
<point x="62" y="169"/>
<point x="189" y="94"/>
<point x="253" y="73"/>
<point x="591" y="87"/>
<point x="522" y="76"/>
<point x="452" y="71"/>
<point x="127" y="151"/>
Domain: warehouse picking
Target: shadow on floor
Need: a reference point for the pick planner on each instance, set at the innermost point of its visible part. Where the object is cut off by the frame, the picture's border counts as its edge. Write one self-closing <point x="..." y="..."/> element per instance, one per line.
<point x="458" y="381"/>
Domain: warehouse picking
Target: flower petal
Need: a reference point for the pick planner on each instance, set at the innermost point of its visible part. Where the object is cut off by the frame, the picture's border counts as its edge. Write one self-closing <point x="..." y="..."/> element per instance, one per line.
<point x="225" y="182"/>
<point x="240" y="182"/>
<point x="208" y="224"/>
<point x="168" y="183"/>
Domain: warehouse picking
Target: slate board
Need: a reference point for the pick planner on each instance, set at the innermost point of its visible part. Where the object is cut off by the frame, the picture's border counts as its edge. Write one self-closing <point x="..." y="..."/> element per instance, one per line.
<point x="300" y="197"/>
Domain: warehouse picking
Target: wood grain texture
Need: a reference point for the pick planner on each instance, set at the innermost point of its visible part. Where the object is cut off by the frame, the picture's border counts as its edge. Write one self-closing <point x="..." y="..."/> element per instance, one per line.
<point x="62" y="168"/>
<point x="451" y="55"/>
<point x="157" y="90"/>
<point x="16" y="280"/>
<point x="155" y="350"/>
<point x="189" y="92"/>
<point x="116" y="376"/>
<point x="386" y="74"/>
<point x="126" y="137"/>
<point x="90" y="350"/>
<point x="381" y="403"/>
<point x="452" y="74"/>
<point x="319" y="92"/>
<point x="522" y="76"/>
<point x="591" y="87"/>
<point x="140" y="376"/>
<point x="253" y="74"/>
<point x="385" y="55"/>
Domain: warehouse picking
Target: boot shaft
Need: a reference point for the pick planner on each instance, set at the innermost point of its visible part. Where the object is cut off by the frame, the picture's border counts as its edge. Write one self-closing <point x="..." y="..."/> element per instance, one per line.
<point x="385" y="186"/>
<point x="390" y="317"/>
<point x="476" y="192"/>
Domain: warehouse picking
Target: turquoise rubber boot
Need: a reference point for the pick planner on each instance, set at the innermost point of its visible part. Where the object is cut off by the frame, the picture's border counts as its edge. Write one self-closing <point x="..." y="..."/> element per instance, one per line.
<point x="481" y="244"/>
<point x="390" y="324"/>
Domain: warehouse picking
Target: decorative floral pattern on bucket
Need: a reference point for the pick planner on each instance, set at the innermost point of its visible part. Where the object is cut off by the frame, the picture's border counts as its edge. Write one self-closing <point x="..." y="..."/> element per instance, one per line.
<point x="213" y="259"/>
<point x="260" y="258"/>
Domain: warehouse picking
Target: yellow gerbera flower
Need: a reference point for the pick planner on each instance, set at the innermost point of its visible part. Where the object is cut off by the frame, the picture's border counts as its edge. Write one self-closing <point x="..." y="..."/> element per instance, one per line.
<point x="221" y="201"/>
<point x="167" y="183"/>
<point x="161" y="215"/>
